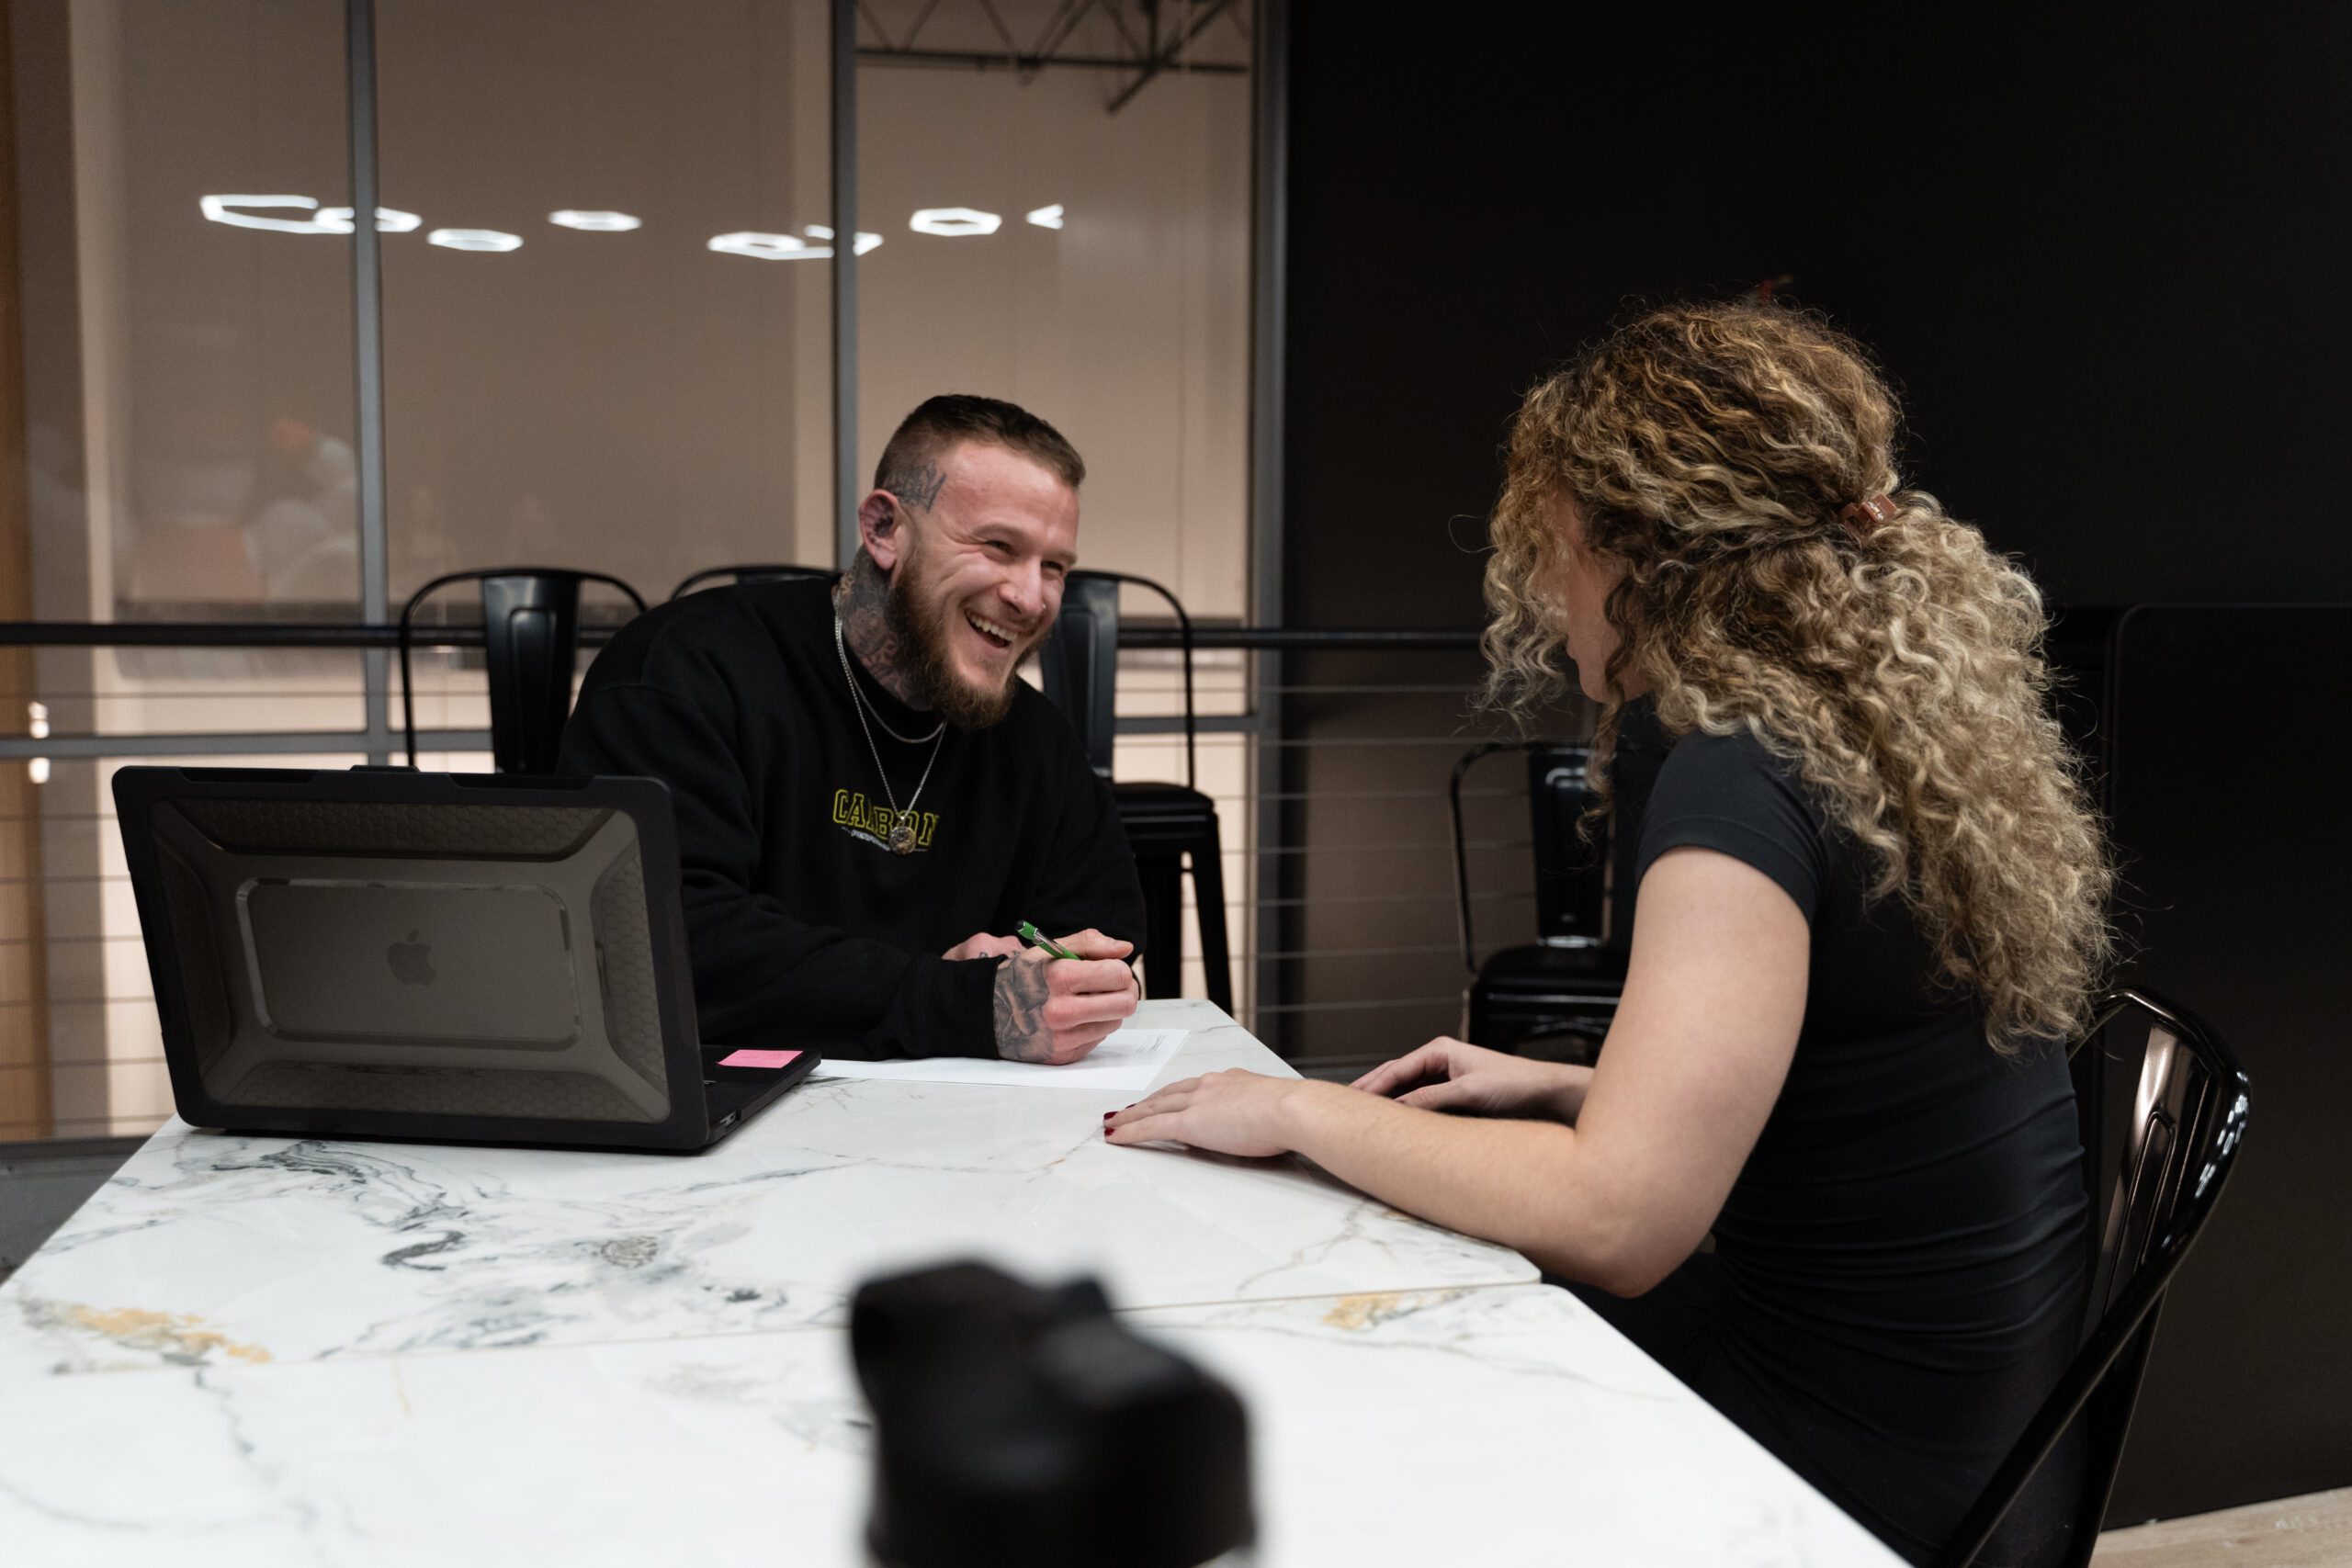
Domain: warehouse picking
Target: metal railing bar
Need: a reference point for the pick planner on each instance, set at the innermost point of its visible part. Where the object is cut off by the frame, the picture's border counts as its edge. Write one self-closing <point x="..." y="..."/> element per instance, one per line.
<point x="367" y="635"/>
<point x="1383" y="849"/>
<point x="122" y="878"/>
<point x="273" y="743"/>
<point x="1173" y="724"/>
<point x="1381" y="1002"/>
<point x="1432" y="796"/>
<point x="1238" y="956"/>
<point x="1331" y="900"/>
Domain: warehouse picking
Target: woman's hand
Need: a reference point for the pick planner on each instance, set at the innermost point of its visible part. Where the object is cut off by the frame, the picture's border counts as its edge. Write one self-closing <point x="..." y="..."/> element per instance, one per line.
<point x="1232" y="1113"/>
<point x="1454" y="1074"/>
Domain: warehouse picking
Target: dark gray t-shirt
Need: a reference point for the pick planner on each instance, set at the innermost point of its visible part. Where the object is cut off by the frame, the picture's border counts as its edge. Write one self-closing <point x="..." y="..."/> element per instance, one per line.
<point x="1898" y="1268"/>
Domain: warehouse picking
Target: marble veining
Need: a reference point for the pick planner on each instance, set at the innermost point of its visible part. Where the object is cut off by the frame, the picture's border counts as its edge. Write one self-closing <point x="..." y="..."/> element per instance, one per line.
<point x="308" y="1249"/>
<point x="1496" y="1425"/>
<point x="346" y="1353"/>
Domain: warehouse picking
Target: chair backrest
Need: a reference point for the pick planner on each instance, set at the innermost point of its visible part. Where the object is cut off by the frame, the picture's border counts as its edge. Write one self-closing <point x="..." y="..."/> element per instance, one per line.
<point x="530" y="621"/>
<point x="750" y="573"/>
<point x="1081" y="662"/>
<point x="2187" y="1118"/>
<point x="1571" y="888"/>
<point x="1578" y="901"/>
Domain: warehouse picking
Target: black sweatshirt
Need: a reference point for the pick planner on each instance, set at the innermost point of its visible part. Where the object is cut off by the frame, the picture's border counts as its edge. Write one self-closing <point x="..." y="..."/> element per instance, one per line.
<point x="801" y="918"/>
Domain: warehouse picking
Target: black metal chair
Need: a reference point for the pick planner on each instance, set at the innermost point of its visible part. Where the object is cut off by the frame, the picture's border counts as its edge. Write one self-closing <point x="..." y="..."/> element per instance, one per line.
<point x="760" y="573"/>
<point x="2187" y="1117"/>
<point x="1170" y="827"/>
<point x="530" y="621"/>
<point x="1565" y="984"/>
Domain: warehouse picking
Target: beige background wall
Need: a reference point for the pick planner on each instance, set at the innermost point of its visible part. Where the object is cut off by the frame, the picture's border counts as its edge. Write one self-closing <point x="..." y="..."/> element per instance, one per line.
<point x="1127" y="328"/>
<point x="631" y="403"/>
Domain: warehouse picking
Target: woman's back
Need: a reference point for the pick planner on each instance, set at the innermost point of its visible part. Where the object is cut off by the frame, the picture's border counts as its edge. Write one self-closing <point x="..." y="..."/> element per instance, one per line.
<point x="1897" y="1272"/>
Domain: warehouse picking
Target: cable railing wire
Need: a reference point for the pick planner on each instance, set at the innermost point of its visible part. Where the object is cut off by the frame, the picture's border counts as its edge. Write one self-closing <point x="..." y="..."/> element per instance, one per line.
<point x="1322" y="919"/>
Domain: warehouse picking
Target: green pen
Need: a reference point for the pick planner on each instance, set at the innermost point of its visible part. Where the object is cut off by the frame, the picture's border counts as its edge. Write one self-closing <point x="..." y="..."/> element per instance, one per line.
<point x="1035" y="938"/>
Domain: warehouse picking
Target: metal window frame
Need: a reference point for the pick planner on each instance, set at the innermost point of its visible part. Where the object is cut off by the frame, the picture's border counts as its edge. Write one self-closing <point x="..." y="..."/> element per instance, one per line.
<point x="359" y="27"/>
<point x="374" y="739"/>
<point x="1270" y="110"/>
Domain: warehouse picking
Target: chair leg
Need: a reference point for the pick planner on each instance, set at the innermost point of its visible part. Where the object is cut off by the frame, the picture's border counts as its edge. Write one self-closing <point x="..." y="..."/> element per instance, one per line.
<point x="1163" y="922"/>
<point x="1208" y="897"/>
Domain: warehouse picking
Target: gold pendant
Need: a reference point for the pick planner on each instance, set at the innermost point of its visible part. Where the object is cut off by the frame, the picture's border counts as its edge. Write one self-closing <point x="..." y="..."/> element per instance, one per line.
<point x="903" y="837"/>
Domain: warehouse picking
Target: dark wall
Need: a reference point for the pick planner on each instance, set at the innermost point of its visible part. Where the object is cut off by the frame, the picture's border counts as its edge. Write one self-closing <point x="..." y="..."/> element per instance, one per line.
<point x="2252" y="1374"/>
<point x="2103" y="249"/>
<point x="2107" y="256"/>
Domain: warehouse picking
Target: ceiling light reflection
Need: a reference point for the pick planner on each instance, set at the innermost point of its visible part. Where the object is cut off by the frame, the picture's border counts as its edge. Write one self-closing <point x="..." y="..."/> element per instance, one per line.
<point x="476" y="240"/>
<point x="865" y="241"/>
<point x="1046" y="217"/>
<point x="769" y="247"/>
<point x="388" y="220"/>
<point x="594" y="222"/>
<point x="229" y="210"/>
<point x="952" y="222"/>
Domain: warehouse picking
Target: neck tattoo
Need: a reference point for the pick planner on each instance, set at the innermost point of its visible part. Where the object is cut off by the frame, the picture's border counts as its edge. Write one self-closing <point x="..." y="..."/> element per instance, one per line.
<point x="902" y="821"/>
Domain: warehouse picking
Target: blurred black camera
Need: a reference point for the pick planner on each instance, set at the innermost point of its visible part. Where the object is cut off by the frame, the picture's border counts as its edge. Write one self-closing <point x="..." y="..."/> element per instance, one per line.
<point x="1019" y="1428"/>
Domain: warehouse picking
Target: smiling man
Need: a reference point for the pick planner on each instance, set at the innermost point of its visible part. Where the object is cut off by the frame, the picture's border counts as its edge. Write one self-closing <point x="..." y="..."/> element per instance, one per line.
<point x="869" y="800"/>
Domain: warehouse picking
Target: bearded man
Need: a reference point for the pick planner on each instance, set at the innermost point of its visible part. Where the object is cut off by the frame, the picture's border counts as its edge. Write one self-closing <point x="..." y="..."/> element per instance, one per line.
<point x="869" y="798"/>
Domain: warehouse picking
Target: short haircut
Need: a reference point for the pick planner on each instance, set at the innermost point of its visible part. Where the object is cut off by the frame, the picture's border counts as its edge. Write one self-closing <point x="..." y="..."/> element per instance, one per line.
<point x="909" y="464"/>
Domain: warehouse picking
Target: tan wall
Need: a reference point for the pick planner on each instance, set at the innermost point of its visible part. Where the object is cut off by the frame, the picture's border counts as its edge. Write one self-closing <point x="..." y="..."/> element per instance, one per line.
<point x="24" y="1034"/>
<point x="1128" y="328"/>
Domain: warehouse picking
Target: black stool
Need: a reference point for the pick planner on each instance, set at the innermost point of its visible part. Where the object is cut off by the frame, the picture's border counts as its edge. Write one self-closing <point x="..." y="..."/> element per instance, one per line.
<point x="530" y="626"/>
<point x="1170" y="827"/>
<point x="1564" y="984"/>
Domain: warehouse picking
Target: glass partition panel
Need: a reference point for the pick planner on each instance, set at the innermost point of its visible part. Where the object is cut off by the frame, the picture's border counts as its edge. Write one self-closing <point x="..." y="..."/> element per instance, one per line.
<point x="607" y="340"/>
<point x="91" y="1062"/>
<point x="1074" y="235"/>
<point x="1075" y="239"/>
<point x="185" y="266"/>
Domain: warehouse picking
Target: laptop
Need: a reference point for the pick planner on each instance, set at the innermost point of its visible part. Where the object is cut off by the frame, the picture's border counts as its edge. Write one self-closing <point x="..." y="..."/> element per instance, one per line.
<point x="388" y="954"/>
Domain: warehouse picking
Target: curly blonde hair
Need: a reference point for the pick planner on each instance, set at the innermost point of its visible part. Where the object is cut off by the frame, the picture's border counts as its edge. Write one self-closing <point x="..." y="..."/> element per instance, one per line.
<point x="1708" y="450"/>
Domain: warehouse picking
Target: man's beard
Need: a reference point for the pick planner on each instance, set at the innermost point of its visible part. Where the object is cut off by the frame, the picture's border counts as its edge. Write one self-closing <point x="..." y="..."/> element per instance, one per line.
<point x="927" y="665"/>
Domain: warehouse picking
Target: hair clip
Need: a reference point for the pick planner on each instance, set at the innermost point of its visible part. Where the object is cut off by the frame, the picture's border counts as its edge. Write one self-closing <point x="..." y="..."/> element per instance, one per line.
<point x="1865" y="517"/>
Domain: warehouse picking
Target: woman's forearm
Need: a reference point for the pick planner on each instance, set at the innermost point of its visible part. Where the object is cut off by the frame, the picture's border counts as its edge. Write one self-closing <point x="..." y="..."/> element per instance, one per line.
<point x="1566" y="1099"/>
<point x="1519" y="1183"/>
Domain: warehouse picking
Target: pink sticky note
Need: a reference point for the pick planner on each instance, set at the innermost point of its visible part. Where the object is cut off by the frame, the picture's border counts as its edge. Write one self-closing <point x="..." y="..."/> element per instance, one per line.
<point x="760" y="1059"/>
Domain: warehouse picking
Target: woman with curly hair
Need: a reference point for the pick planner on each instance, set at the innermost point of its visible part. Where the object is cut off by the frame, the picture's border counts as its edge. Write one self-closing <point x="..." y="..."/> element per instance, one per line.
<point x="1871" y="909"/>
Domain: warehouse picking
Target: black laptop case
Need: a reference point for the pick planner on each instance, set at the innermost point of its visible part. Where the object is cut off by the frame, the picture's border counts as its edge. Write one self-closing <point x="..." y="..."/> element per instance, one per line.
<point x="384" y="953"/>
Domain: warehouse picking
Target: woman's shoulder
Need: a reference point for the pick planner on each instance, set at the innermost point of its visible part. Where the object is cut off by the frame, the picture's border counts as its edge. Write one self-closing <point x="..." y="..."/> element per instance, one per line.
<point x="1733" y="793"/>
<point x="1729" y="768"/>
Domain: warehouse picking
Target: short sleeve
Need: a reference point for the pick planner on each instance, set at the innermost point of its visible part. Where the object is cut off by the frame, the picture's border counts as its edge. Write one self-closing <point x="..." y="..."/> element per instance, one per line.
<point x="1728" y="794"/>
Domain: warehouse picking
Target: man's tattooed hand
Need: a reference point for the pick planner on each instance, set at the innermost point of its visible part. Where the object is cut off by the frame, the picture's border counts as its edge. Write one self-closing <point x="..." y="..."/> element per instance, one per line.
<point x="1056" y="1010"/>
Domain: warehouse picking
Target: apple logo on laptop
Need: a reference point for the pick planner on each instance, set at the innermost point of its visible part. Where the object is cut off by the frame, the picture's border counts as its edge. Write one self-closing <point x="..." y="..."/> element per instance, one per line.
<point x="411" y="961"/>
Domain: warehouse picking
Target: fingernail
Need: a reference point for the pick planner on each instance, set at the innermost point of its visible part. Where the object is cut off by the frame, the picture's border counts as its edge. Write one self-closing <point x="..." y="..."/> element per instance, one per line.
<point x="1108" y="1114"/>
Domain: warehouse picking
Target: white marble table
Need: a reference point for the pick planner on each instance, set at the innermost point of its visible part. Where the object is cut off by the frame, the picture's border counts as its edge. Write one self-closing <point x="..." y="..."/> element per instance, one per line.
<point x="248" y="1351"/>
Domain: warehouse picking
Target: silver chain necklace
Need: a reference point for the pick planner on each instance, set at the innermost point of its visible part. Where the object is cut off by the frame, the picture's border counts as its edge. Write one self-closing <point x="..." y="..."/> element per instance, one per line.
<point x="902" y="827"/>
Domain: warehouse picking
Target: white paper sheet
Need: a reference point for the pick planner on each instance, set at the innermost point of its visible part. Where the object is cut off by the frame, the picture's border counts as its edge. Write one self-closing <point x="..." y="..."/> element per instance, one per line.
<point x="1124" y="1064"/>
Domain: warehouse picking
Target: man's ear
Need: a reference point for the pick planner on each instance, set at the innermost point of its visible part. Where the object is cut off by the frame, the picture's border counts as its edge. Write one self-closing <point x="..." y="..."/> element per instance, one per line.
<point x="882" y="527"/>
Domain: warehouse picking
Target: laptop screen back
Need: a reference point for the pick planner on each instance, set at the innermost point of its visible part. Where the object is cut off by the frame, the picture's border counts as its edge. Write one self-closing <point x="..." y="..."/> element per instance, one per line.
<point x="419" y="964"/>
<point x="462" y="959"/>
